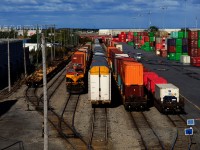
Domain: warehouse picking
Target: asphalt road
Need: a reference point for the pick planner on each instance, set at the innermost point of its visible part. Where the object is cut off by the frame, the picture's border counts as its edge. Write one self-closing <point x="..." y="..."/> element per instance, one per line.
<point x="186" y="77"/>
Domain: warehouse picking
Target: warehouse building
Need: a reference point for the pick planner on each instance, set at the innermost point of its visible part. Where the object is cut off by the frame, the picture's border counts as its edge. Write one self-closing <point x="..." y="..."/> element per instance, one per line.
<point x="16" y="61"/>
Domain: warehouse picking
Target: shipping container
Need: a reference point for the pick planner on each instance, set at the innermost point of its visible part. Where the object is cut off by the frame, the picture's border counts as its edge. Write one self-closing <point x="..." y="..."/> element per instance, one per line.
<point x="132" y="73"/>
<point x="152" y="81"/>
<point x="99" y="81"/>
<point x="185" y="60"/>
<point x="164" y="91"/>
<point x="150" y="75"/>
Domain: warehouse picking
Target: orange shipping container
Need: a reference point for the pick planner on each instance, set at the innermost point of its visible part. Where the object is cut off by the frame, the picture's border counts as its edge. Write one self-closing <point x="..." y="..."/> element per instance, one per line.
<point x="109" y="48"/>
<point x="132" y="73"/>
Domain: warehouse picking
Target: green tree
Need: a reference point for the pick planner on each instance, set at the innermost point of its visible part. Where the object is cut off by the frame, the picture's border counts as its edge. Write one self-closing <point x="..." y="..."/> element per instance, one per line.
<point x="153" y="29"/>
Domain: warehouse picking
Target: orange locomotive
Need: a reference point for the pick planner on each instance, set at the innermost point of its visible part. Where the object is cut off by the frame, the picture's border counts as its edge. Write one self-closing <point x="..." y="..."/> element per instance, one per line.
<point x="76" y="71"/>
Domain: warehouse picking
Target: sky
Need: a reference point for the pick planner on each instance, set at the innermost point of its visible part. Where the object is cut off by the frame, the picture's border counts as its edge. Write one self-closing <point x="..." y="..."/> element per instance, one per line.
<point x="104" y="14"/>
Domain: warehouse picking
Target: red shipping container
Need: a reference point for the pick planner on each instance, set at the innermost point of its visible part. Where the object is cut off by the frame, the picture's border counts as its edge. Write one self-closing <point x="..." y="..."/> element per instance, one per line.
<point x="133" y="90"/>
<point x="198" y="52"/>
<point x="193" y="43"/>
<point x="195" y="61"/>
<point x="152" y="81"/>
<point x="151" y="44"/>
<point x="79" y="58"/>
<point x="163" y="53"/>
<point x="193" y="52"/>
<point x="148" y="74"/>
<point x="130" y="33"/>
<point x="171" y="49"/>
<point x="193" y="35"/>
<point x="158" y="46"/>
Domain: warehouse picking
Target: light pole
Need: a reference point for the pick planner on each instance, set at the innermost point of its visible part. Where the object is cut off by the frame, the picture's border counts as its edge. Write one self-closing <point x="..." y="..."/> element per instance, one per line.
<point x="134" y="26"/>
<point x="196" y="22"/>
<point x="9" y="82"/>
<point x="149" y="18"/>
<point x="163" y="17"/>
<point x="45" y="94"/>
<point x="185" y="17"/>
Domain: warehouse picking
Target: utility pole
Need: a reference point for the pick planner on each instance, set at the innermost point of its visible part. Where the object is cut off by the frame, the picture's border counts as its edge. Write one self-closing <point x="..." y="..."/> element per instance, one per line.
<point x="51" y="45"/>
<point x="54" y="47"/>
<point x="185" y="18"/>
<point x="196" y="22"/>
<point x="25" y="73"/>
<point x="37" y="44"/>
<point x="149" y="18"/>
<point x="9" y="82"/>
<point x="45" y="93"/>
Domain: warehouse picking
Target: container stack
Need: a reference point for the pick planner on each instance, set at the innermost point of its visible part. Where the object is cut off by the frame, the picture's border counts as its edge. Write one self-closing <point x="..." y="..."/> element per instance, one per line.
<point x="148" y="40"/>
<point x="160" y="43"/>
<point x="194" y="47"/>
<point x="129" y="37"/>
<point x="177" y="45"/>
<point x="136" y="39"/>
<point x="122" y="37"/>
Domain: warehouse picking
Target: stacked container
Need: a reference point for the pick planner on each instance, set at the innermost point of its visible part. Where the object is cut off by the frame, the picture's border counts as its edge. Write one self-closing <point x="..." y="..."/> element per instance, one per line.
<point x="130" y="37"/>
<point x="122" y="37"/>
<point x="194" y="47"/>
<point x="177" y="45"/>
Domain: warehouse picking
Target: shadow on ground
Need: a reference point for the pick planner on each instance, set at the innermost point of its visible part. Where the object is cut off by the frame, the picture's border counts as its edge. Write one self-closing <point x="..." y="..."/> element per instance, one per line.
<point x="6" y="105"/>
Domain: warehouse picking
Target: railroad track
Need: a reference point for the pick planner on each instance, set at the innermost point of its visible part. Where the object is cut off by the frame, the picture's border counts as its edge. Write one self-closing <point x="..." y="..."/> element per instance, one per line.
<point x="180" y="140"/>
<point x="67" y="117"/>
<point x="64" y="129"/>
<point x="149" y="138"/>
<point x="5" y="93"/>
<point x="52" y="87"/>
<point x="99" y="130"/>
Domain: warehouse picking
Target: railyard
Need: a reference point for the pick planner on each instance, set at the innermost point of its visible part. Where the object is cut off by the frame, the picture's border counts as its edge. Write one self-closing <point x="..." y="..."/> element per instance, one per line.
<point x="71" y="116"/>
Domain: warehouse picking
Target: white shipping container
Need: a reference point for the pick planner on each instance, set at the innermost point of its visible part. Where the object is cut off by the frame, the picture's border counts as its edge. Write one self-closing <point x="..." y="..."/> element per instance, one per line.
<point x="99" y="88"/>
<point x="185" y="59"/>
<point x="119" y="46"/>
<point x="163" y="90"/>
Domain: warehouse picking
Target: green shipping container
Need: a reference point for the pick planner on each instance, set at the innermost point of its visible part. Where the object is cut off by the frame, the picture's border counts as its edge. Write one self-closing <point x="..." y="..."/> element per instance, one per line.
<point x="146" y="44"/>
<point x="180" y="34"/>
<point x="152" y="39"/>
<point x="174" y="34"/>
<point x="178" y="56"/>
<point x="199" y="43"/>
<point x="131" y="43"/>
<point x="151" y="34"/>
<point x="171" y="56"/>
<point x="135" y="33"/>
<point x="179" y="42"/>
<point x="184" y="53"/>
<point x="178" y="48"/>
<point x="147" y="48"/>
<point x="186" y="35"/>
<point x="198" y="34"/>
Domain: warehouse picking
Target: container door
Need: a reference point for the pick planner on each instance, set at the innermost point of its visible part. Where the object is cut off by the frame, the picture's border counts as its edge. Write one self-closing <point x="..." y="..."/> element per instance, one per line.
<point x="104" y="87"/>
<point x="94" y="87"/>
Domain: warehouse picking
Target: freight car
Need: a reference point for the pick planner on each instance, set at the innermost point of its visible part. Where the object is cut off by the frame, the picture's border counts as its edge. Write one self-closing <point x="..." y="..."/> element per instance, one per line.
<point x="99" y="77"/>
<point x="128" y="74"/>
<point x="76" y="71"/>
<point x="36" y="79"/>
<point x="164" y="96"/>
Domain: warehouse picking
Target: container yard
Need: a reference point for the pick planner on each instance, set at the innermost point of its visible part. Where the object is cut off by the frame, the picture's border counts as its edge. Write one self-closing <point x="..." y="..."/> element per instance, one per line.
<point x="102" y="89"/>
<point x="105" y="96"/>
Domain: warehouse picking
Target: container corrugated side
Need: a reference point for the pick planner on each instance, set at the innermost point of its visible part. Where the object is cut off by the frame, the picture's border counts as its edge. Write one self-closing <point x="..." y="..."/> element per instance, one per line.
<point x="132" y="73"/>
